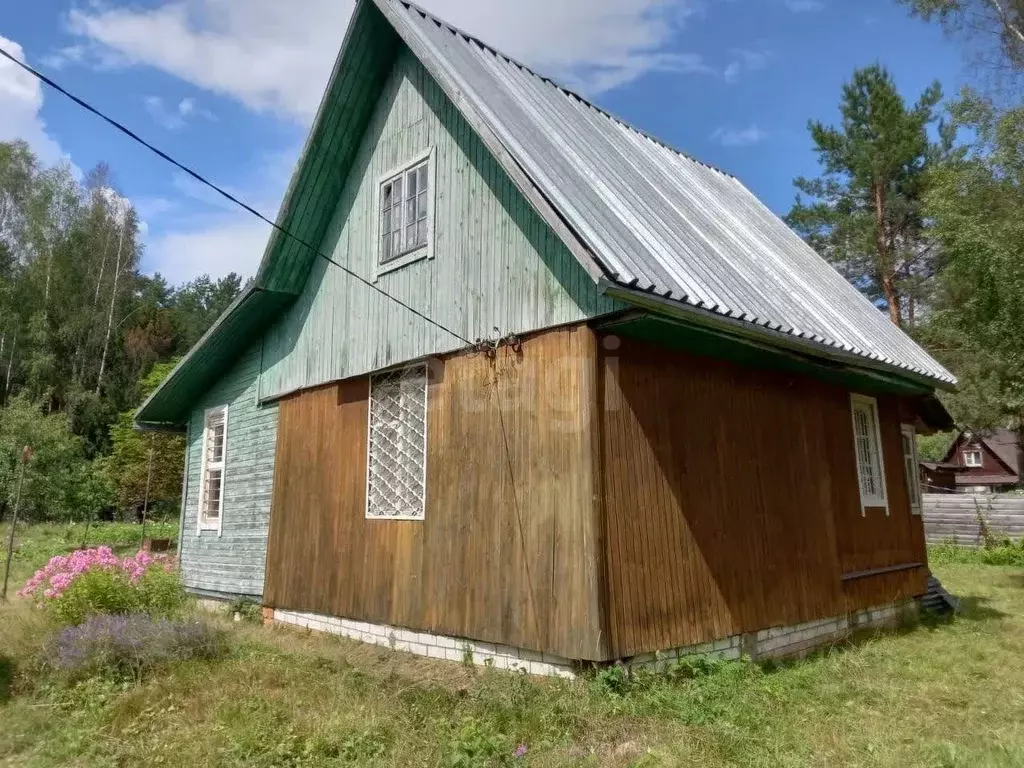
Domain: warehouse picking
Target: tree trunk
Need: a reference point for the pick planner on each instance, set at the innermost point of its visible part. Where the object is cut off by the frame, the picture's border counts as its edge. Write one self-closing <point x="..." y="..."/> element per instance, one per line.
<point x="911" y="311"/>
<point x="10" y="366"/>
<point x="78" y="367"/>
<point x="892" y="300"/>
<point x="46" y="290"/>
<point x="110" y="314"/>
<point x="1012" y="28"/>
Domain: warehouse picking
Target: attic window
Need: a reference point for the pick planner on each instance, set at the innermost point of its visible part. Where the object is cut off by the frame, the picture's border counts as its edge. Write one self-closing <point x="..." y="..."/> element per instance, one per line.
<point x="868" y="446"/>
<point x="972" y="457"/>
<point x="406" y="214"/>
<point x="396" y="464"/>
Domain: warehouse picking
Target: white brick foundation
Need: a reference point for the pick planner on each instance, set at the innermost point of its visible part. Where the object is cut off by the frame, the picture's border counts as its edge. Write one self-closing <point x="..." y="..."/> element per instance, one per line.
<point x="434" y="646"/>
<point x="783" y="642"/>
<point x="771" y="643"/>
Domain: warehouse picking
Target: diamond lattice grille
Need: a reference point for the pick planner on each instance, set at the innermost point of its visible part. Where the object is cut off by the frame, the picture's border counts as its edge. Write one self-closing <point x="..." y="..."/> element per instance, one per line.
<point x="398" y="431"/>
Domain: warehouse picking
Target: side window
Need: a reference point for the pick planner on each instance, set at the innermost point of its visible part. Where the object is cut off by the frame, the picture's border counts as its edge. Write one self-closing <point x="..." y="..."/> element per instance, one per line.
<point x="215" y="446"/>
<point x="911" y="467"/>
<point x="396" y="466"/>
<point x="405" y="221"/>
<point x="868" y="446"/>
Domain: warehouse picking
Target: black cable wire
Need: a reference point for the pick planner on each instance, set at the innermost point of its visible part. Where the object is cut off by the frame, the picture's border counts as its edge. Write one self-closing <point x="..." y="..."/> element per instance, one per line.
<point x="224" y="193"/>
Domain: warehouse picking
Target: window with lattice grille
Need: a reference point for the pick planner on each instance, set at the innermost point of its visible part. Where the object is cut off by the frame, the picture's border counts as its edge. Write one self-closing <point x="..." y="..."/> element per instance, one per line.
<point x="868" y="446"/>
<point x="397" y="461"/>
<point x="215" y="437"/>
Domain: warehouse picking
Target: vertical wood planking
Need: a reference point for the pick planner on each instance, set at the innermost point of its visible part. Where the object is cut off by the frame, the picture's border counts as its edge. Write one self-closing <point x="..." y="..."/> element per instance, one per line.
<point x="495" y="262"/>
<point x="233" y="562"/>
<point x="479" y="565"/>
<point x="731" y="501"/>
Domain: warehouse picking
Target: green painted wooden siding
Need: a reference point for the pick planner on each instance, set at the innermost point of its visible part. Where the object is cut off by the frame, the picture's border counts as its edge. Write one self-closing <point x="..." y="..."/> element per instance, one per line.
<point x="496" y="263"/>
<point x="232" y="563"/>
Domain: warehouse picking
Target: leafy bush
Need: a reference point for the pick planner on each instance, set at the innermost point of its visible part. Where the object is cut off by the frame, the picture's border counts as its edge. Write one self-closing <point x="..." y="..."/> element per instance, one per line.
<point x="475" y="746"/>
<point x="130" y="645"/>
<point x="1005" y="552"/>
<point x="91" y="581"/>
<point x="60" y="484"/>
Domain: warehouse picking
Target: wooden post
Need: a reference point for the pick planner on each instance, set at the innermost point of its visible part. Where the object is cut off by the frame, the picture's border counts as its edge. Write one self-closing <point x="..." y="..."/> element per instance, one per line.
<point x="145" y="501"/>
<point x="26" y="454"/>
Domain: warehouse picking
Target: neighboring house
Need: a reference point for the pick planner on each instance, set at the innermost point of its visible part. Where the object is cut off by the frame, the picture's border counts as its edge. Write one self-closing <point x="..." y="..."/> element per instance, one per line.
<point x="939" y="477"/>
<point x="699" y="432"/>
<point x="990" y="461"/>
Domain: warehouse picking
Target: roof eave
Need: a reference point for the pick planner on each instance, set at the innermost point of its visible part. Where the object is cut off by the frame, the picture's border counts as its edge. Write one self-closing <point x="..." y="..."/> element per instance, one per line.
<point x="140" y="420"/>
<point x="305" y="156"/>
<point x="758" y="333"/>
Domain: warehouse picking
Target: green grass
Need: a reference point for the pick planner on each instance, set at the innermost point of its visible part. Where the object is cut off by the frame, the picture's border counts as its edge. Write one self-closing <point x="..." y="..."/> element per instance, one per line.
<point x="1003" y="552"/>
<point x="938" y="694"/>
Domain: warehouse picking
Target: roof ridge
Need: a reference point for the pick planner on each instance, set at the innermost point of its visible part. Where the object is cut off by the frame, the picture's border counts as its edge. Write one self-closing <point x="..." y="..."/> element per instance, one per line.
<point x="563" y="88"/>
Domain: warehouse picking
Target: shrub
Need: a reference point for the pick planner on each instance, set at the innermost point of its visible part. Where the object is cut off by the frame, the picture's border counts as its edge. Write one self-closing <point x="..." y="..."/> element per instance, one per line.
<point x="476" y="745"/>
<point x="92" y="581"/>
<point x="130" y="645"/>
<point x="1002" y="553"/>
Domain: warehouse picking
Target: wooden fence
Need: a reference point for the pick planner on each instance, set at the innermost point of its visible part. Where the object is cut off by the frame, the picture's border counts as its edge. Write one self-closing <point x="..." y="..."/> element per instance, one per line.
<point x="958" y="516"/>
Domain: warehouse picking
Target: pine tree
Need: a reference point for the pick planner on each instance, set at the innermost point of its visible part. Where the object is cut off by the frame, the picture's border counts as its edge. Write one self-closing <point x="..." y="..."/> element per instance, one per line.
<point x="865" y="210"/>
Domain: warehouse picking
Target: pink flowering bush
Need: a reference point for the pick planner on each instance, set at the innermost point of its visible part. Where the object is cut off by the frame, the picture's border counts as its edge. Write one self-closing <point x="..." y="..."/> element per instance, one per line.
<point x="92" y="581"/>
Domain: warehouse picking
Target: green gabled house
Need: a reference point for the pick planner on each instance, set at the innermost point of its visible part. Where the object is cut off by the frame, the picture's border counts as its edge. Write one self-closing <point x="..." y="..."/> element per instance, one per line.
<point x="687" y="432"/>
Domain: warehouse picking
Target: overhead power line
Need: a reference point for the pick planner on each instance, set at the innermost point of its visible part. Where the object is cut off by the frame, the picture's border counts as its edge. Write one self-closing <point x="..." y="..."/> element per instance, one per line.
<point x="222" y="192"/>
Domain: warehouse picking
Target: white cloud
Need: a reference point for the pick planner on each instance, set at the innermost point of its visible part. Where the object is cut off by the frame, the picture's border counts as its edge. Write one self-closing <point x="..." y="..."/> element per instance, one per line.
<point x="268" y="55"/>
<point x="739" y="137"/>
<point x="745" y="60"/>
<point x="174" y="117"/>
<point x="805" y="6"/>
<point x="232" y="243"/>
<point x="211" y="235"/>
<point x="21" y="99"/>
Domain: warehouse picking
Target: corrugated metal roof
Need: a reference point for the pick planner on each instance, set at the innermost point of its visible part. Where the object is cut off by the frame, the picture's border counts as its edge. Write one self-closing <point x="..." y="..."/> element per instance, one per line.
<point x="654" y="219"/>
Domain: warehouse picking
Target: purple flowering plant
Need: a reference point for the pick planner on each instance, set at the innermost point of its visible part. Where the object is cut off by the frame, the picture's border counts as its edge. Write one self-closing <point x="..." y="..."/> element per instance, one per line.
<point x="129" y="645"/>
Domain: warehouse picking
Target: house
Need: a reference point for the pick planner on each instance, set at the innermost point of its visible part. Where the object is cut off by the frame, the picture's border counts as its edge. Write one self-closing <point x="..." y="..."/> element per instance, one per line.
<point x="989" y="461"/>
<point x="939" y="476"/>
<point x="687" y="432"/>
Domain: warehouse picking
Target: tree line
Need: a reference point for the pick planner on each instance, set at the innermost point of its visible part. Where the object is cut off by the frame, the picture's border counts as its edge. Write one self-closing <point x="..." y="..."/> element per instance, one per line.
<point x="921" y="206"/>
<point x="84" y="336"/>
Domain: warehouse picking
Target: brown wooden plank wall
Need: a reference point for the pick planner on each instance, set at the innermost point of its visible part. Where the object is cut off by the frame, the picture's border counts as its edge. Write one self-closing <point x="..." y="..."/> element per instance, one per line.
<point x="514" y="564"/>
<point x="731" y="500"/>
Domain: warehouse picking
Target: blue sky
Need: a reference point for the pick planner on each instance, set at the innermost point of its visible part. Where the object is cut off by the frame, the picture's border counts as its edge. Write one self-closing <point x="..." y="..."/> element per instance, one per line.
<point x="229" y="87"/>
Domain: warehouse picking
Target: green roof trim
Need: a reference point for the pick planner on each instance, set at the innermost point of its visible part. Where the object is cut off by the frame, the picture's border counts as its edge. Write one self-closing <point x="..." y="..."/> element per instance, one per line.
<point x="244" y="321"/>
<point x="366" y="57"/>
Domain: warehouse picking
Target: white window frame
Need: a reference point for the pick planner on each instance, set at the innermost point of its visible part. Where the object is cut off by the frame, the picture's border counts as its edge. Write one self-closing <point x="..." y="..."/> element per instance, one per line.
<point x="914" y="472"/>
<point x="202" y="523"/>
<point x="879" y="499"/>
<point x="973" y="452"/>
<point x="369" y="437"/>
<point x="425" y="251"/>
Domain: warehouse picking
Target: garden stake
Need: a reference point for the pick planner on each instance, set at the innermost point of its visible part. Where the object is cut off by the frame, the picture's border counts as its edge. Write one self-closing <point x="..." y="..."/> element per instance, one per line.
<point x="26" y="454"/>
<point x="145" y="502"/>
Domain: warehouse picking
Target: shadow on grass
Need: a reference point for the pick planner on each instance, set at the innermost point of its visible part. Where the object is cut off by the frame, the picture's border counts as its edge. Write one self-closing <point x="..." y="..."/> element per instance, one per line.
<point x="6" y="678"/>
<point x="1016" y="579"/>
<point x="975" y="608"/>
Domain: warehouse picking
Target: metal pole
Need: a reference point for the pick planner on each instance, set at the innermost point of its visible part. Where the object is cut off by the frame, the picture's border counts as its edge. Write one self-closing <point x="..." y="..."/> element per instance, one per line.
<point x="145" y="502"/>
<point x="25" y="455"/>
